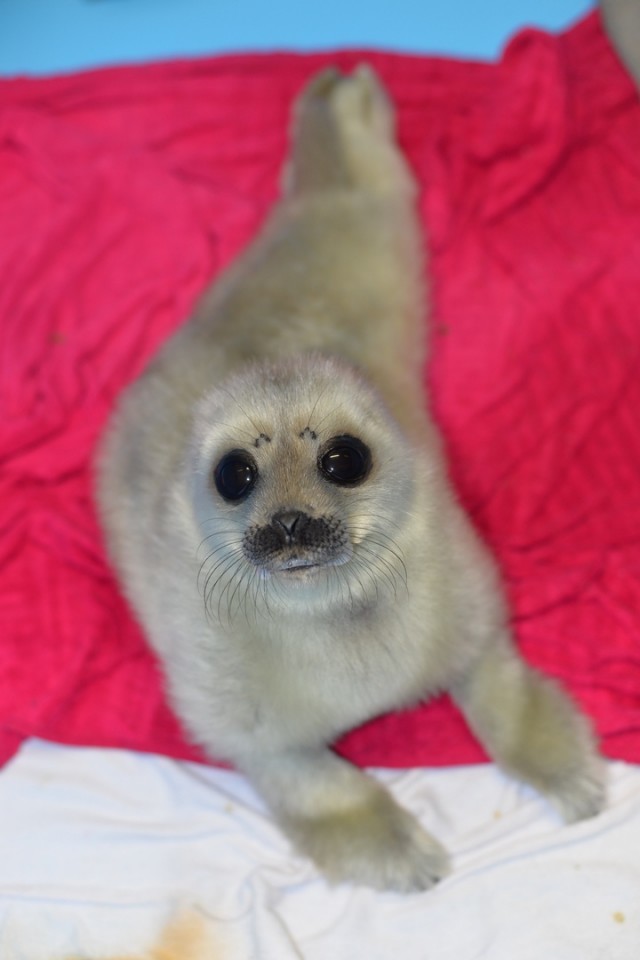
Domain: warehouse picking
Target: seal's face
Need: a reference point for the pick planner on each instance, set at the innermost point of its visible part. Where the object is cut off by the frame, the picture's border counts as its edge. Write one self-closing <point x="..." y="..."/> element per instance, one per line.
<point x="301" y="490"/>
<point x="293" y="539"/>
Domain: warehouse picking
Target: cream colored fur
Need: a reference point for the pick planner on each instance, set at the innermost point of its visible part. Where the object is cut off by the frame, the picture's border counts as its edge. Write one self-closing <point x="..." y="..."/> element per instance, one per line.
<point x="316" y="333"/>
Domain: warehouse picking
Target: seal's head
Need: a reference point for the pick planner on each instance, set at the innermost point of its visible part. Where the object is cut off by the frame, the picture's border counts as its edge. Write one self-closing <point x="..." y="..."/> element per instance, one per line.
<point x="301" y="485"/>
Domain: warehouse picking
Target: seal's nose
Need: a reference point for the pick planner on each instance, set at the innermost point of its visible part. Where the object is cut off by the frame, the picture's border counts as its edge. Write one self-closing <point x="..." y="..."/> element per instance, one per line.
<point x="289" y="523"/>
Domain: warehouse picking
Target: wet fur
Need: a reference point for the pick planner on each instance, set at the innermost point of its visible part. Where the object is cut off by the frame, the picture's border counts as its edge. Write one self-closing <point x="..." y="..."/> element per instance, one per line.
<point x="315" y="333"/>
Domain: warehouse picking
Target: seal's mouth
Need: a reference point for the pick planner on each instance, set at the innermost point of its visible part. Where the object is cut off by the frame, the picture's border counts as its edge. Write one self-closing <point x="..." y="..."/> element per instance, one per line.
<point x="299" y="563"/>
<point x="297" y="566"/>
<point x="297" y="571"/>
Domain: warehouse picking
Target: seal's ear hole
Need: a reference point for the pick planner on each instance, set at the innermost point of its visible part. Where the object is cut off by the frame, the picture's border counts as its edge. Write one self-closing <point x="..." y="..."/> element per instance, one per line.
<point x="345" y="461"/>
<point x="235" y="475"/>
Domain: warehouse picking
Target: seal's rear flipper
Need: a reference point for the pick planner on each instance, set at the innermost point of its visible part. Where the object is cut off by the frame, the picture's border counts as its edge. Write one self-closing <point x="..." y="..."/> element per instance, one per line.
<point x="344" y="137"/>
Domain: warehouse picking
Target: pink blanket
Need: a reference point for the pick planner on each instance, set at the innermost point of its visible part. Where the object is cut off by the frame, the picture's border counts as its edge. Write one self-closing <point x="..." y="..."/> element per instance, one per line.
<point x="123" y="191"/>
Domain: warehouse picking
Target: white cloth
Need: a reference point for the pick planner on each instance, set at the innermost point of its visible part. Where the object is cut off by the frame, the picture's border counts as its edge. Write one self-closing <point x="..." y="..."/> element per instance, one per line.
<point x="99" y="848"/>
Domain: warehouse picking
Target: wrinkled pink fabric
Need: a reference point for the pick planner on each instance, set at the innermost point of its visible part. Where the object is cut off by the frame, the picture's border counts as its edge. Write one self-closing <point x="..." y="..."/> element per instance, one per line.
<point x="123" y="191"/>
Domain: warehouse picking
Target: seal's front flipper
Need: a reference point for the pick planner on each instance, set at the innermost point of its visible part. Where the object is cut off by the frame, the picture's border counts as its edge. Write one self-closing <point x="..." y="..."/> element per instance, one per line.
<point x="348" y="824"/>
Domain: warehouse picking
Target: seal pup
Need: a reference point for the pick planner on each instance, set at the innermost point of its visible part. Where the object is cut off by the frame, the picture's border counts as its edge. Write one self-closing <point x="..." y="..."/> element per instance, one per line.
<point x="277" y="506"/>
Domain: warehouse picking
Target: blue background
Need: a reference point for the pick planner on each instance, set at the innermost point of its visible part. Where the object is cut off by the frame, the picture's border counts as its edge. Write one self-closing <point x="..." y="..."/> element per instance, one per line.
<point x="46" y="36"/>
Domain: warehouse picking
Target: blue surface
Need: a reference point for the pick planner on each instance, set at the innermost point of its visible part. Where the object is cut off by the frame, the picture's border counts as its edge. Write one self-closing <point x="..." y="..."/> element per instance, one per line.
<point x="46" y="36"/>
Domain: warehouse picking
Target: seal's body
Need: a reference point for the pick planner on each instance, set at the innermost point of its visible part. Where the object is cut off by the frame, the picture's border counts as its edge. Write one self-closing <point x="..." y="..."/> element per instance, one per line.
<point x="277" y="506"/>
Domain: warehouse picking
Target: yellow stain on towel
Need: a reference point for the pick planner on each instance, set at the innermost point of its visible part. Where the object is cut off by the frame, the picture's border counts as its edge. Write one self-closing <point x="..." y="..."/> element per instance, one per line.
<point x="187" y="937"/>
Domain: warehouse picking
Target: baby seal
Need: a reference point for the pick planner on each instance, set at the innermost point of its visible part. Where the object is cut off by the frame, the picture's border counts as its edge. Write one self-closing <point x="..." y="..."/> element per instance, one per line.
<point x="276" y="504"/>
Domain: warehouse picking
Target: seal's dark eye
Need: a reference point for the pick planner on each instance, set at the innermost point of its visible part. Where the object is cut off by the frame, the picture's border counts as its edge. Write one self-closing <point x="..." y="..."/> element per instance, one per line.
<point x="345" y="460"/>
<point x="235" y="475"/>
